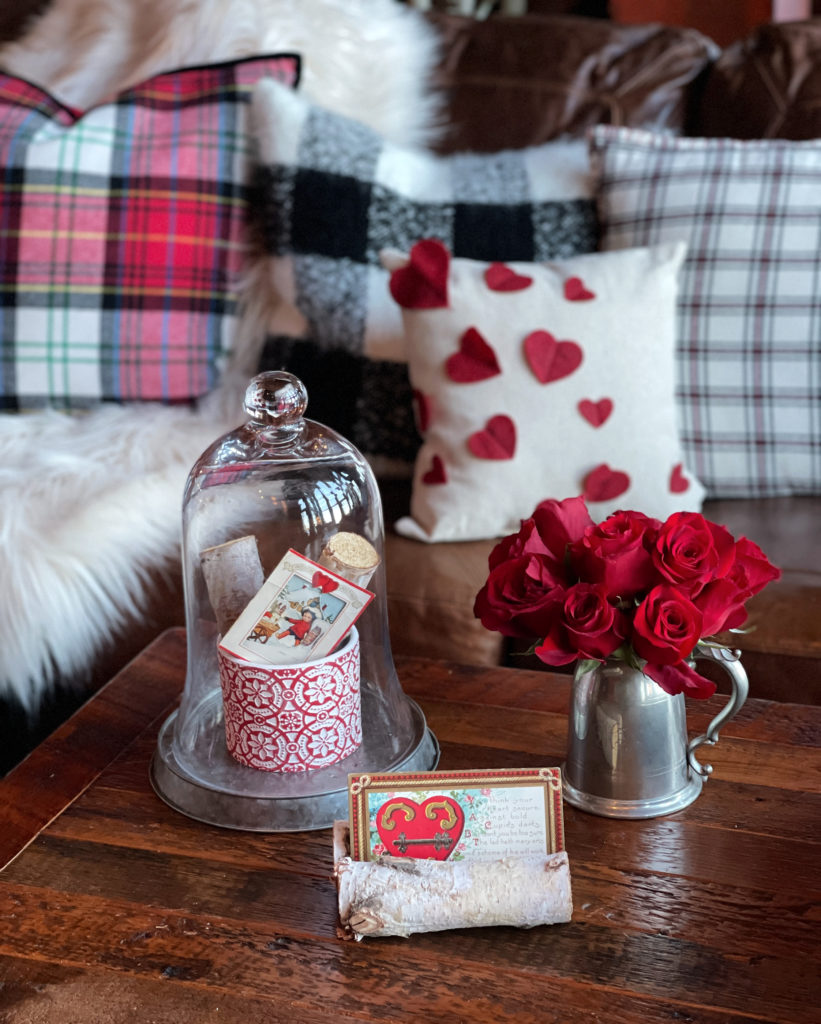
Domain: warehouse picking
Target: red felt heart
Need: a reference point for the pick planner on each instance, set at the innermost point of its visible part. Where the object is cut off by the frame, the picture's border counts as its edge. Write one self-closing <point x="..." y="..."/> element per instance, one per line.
<point x="575" y="291"/>
<point x="474" y="361"/>
<point x="426" y="831"/>
<point x="604" y="483"/>
<point x="323" y="582"/>
<point x="422" y="409"/>
<point x="423" y="283"/>
<point x="549" y="359"/>
<point x="496" y="441"/>
<point x="678" y="481"/>
<point x="499" y="277"/>
<point x="436" y="474"/>
<point x="596" y="413"/>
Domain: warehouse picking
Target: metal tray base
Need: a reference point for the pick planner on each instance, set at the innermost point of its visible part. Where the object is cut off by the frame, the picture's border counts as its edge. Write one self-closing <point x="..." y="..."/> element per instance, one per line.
<point x="230" y="807"/>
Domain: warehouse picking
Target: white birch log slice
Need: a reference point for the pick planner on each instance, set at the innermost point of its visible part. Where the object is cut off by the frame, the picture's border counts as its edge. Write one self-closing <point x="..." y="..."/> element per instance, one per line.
<point x="233" y="576"/>
<point x="401" y="896"/>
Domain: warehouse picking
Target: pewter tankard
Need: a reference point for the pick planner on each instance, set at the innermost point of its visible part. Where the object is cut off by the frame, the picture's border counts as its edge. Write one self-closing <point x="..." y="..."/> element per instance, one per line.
<point x="628" y="755"/>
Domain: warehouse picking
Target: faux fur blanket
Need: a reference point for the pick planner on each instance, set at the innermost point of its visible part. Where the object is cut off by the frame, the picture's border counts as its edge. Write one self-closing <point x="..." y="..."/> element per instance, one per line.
<point x="90" y="504"/>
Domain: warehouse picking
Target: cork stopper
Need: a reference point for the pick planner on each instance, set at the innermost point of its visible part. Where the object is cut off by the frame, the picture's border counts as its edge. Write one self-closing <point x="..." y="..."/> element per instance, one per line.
<point x="350" y="556"/>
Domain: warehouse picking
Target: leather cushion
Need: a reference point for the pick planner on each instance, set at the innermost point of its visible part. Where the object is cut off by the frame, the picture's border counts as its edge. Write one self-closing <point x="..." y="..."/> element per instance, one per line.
<point x="515" y="82"/>
<point x="767" y="86"/>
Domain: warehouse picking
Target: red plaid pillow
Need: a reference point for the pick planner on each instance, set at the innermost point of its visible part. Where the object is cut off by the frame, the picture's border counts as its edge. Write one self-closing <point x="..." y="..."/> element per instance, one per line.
<point x="121" y="236"/>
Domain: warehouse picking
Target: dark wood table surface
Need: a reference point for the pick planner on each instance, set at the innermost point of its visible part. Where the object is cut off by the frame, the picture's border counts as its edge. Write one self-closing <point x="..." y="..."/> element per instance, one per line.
<point x="116" y="908"/>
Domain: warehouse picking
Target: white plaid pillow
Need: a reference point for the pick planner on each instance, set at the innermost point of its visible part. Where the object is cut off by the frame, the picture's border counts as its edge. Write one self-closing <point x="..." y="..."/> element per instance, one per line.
<point x="749" y="314"/>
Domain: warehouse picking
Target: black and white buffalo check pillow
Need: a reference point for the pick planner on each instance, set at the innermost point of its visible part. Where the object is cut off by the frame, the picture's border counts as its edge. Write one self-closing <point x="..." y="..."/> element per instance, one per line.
<point x="330" y="194"/>
<point x="749" y="312"/>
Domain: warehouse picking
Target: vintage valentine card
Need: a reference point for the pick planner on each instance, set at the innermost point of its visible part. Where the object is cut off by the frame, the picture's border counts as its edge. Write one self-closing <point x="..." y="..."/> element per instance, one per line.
<point x="301" y="612"/>
<point x="469" y="815"/>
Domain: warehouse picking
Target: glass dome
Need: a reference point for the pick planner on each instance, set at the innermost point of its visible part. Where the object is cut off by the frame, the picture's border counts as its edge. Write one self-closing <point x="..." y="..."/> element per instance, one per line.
<point x="283" y="544"/>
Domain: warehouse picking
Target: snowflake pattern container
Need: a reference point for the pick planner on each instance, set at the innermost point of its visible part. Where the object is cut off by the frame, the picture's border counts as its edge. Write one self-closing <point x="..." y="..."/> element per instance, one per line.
<point x="268" y="747"/>
<point x="292" y="718"/>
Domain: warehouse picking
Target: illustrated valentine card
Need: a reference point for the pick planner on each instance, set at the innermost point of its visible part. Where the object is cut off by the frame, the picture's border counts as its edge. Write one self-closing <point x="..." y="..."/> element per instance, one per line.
<point x="470" y="815"/>
<point x="300" y="613"/>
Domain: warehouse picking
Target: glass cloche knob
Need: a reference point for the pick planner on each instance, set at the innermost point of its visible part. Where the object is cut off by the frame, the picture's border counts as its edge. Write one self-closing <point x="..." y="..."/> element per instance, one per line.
<point x="277" y="400"/>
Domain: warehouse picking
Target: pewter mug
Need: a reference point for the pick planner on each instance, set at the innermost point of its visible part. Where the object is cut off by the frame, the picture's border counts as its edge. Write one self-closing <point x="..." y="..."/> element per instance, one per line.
<point x="628" y="754"/>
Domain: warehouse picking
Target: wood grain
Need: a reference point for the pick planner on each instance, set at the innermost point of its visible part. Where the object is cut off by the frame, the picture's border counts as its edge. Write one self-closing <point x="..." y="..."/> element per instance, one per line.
<point x="120" y="909"/>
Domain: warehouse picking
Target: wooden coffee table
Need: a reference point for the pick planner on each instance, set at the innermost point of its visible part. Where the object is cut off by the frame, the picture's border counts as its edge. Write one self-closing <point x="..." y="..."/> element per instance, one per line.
<point x="115" y="908"/>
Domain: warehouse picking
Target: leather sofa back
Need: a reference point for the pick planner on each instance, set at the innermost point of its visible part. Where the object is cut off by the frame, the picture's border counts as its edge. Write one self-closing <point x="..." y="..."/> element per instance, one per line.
<point x="514" y="82"/>
<point x="767" y="86"/>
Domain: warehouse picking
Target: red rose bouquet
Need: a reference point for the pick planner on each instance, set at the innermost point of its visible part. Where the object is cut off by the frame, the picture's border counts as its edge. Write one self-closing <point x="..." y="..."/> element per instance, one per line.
<point x="631" y="588"/>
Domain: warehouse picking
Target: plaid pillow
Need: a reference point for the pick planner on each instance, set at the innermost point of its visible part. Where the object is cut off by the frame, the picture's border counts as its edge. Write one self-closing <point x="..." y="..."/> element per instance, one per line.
<point x="749" y="320"/>
<point x="332" y="194"/>
<point x="121" y="236"/>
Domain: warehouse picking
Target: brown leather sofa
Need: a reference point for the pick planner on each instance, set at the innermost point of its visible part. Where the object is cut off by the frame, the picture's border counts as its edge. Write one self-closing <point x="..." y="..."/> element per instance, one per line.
<point x="513" y="82"/>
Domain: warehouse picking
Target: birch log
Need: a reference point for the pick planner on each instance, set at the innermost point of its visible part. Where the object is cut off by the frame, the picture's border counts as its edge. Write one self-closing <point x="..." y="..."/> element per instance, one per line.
<point x="233" y="575"/>
<point x="401" y="896"/>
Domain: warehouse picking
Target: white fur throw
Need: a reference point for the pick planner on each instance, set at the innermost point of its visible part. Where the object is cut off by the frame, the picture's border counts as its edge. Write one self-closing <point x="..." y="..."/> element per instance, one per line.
<point x="90" y="504"/>
<point x="367" y="59"/>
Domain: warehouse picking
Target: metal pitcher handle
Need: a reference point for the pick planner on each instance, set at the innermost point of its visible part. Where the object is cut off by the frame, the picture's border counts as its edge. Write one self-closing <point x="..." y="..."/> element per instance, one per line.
<point x="729" y="661"/>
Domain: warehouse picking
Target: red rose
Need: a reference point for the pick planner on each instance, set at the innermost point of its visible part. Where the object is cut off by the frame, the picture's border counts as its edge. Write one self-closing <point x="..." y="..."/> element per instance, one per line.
<point x="691" y="551"/>
<point x="616" y="553"/>
<point x="526" y="542"/>
<point x="751" y="569"/>
<point x="585" y="625"/>
<point x="519" y="596"/>
<point x="721" y="602"/>
<point x="666" y="626"/>
<point x="561" y="523"/>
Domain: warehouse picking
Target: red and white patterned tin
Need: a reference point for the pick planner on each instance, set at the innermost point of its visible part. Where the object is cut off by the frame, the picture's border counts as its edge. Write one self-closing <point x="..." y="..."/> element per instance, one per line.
<point x="292" y="718"/>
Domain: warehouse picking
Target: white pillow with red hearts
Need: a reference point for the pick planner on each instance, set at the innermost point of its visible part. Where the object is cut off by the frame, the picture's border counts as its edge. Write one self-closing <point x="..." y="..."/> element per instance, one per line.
<point x="537" y="381"/>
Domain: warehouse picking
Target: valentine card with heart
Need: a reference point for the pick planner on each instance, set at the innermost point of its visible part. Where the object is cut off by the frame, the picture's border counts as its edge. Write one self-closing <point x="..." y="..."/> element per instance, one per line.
<point x="479" y="815"/>
<point x="302" y="612"/>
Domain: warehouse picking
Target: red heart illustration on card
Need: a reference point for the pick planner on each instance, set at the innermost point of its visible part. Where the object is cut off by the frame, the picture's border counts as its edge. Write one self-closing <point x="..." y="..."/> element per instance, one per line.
<point x="549" y="359"/>
<point x="426" y="831"/>
<point x="436" y="474"/>
<point x="474" y="361"/>
<point x="496" y="441"/>
<point x="596" y="413"/>
<point x="499" y="277"/>
<point x="323" y="582"/>
<point x="422" y="410"/>
<point x="604" y="483"/>
<point x="575" y="290"/>
<point x="423" y="283"/>
<point x="678" y="481"/>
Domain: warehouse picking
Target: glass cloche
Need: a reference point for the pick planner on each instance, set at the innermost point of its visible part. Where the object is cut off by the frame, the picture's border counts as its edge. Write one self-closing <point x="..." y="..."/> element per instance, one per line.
<point x="290" y="682"/>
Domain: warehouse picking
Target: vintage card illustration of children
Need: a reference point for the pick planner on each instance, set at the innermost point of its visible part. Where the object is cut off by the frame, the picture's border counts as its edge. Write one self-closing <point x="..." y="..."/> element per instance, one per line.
<point x="302" y="611"/>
